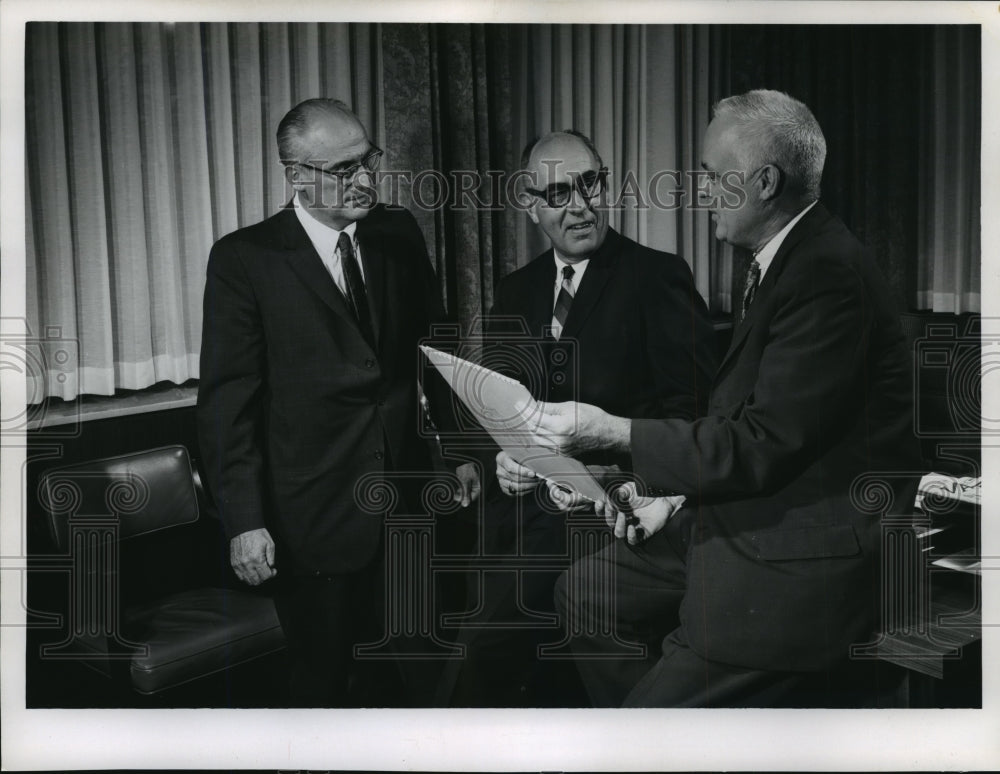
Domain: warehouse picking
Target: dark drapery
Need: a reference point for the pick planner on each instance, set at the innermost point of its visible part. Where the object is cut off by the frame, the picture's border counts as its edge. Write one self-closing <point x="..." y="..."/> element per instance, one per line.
<point x="146" y="142"/>
<point x="901" y="109"/>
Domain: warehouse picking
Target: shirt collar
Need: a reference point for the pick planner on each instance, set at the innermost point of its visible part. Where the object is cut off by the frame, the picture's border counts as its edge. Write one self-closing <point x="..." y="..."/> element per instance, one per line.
<point x="578" y="268"/>
<point x="323" y="237"/>
<point x="766" y="254"/>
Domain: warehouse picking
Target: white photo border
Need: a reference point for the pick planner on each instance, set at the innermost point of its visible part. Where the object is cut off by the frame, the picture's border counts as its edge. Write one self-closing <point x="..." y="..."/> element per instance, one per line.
<point x="528" y="740"/>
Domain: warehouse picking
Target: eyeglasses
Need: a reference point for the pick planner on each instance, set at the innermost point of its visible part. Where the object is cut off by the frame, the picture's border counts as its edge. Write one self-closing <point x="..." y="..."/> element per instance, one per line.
<point x="369" y="163"/>
<point x="713" y="177"/>
<point x="589" y="184"/>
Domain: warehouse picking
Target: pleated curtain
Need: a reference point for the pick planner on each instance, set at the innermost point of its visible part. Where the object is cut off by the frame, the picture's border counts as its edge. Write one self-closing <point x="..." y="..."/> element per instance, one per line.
<point x="145" y="143"/>
<point x="949" y="184"/>
<point x="642" y="93"/>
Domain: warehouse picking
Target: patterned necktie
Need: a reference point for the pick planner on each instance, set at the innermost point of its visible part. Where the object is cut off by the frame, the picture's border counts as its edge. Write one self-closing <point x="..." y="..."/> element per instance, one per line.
<point x="750" y="287"/>
<point x="356" y="294"/>
<point x="563" y="301"/>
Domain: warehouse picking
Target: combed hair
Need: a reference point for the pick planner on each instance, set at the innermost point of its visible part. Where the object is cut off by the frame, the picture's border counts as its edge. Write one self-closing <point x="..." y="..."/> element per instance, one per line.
<point x="297" y="120"/>
<point x="526" y="153"/>
<point x="774" y="128"/>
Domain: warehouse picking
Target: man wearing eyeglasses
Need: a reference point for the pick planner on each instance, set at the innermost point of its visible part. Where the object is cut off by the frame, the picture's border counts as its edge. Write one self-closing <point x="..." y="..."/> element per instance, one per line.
<point x="309" y="390"/>
<point x="597" y="318"/>
<point x="757" y="566"/>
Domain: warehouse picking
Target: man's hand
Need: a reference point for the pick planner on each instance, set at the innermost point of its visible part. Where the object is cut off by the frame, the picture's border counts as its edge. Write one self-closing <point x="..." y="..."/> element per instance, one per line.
<point x="638" y="518"/>
<point x="469" y="486"/>
<point x="252" y="556"/>
<point x="514" y="478"/>
<point x="574" y="428"/>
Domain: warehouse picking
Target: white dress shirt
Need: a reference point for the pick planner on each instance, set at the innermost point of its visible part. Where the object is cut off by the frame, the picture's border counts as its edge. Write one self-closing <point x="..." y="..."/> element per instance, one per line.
<point x="325" y="240"/>
<point x="766" y="254"/>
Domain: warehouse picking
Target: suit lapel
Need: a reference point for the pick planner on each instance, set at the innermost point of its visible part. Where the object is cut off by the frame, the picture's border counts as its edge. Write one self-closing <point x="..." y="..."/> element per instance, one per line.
<point x="373" y="257"/>
<point x="541" y="295"/>
<point x="306" y="263"/>
<point x="809" y="224"/>
<point x="592" y="285"/>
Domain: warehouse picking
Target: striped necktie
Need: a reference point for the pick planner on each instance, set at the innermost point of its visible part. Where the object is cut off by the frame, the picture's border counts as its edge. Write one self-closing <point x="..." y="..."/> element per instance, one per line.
<point x="563" y="301"/>
<point x="356" y="294"/>
<point x="750" y="287"/>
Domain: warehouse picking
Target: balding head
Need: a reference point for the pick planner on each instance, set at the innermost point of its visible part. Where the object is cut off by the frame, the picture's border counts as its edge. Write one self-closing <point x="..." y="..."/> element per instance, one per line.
<point x="297" y="130"/>
<point x="567" y="193"/>
<point x="324" y="146"/>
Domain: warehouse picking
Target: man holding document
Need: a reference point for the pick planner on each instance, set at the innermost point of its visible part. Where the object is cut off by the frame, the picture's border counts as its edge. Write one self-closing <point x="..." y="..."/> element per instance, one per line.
<point x="747" y="567"/>
<point x="597" y="318"/>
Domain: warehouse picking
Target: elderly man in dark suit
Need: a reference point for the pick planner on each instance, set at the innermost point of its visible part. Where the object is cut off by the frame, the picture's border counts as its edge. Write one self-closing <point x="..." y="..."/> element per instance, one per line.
<point x="309" y="389"/>
<point x="752" y="592"/>
<point x="597" y="318"/>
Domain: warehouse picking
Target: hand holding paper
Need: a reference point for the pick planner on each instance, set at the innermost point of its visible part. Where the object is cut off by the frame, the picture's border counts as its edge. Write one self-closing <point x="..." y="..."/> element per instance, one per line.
<point x="505" y="409"/>
<point x="514" y="479"/>
<point x="575" y="428"/>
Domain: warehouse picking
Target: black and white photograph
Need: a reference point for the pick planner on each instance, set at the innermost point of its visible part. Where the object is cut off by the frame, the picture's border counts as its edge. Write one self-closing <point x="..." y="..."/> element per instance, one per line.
<point x="421" y="387"/>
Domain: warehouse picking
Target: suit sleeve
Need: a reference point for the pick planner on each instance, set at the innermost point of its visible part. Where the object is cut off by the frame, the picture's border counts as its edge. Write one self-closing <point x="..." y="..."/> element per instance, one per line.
<point x="680" y="341"/>
<point x="230" y="393"/>
<point x="809" y="382"/>
<point x="439" y="396"/>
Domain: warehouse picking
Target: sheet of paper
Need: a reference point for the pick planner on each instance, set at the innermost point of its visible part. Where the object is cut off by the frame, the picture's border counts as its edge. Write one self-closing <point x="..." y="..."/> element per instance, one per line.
<point x="504" y="407"/>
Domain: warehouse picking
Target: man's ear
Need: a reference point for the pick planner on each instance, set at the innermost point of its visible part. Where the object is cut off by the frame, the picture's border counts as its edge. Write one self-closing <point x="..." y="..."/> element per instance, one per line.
<point x="531" y="211"/>
<point x="293" y="177"/>
<point x="770" y="182"/>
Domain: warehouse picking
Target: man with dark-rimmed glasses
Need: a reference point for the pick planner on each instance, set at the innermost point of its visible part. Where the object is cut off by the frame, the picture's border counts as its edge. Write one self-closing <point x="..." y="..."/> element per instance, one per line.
<point x="596" y="315"/>
<point x="308" y="390"/>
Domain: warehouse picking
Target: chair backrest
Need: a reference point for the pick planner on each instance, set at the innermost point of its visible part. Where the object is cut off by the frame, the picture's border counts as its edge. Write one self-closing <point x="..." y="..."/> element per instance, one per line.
<point x="145" y="492"/>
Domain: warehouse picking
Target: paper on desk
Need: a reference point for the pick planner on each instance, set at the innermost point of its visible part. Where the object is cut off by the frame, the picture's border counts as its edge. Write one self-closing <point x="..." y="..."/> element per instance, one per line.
<point x="504" y="407"/>
<point x="941" y="488"/>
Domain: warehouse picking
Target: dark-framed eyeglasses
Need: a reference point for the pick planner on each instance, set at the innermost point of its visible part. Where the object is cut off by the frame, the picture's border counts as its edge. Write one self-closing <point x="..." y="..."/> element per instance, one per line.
<point x="369" y="163"/>
<point x="589" y="184"/>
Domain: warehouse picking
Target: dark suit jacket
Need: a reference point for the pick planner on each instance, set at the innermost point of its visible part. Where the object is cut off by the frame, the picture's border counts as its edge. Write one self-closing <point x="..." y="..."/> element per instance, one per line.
<point x="814" y="390"/>
<point x="638" y="341"/>
<point x="294" y="406"/>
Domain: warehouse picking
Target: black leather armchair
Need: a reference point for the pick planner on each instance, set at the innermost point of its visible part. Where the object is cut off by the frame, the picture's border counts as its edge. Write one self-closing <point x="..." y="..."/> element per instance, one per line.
<point x="150" y="587"/>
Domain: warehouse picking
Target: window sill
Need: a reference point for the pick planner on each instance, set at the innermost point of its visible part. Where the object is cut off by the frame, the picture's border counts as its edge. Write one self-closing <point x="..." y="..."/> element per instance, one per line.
<point x="159" y="397"/>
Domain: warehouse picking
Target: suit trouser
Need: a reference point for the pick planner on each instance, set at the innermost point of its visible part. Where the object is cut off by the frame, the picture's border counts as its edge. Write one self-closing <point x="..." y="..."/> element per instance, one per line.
<point x="502" y="666"/>
<point x="647" y="586"/>
<point x="323" y="617"/>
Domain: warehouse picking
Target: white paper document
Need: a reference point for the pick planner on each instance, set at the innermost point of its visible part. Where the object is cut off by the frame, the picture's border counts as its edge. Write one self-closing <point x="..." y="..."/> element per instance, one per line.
<point x="505" y="409"/>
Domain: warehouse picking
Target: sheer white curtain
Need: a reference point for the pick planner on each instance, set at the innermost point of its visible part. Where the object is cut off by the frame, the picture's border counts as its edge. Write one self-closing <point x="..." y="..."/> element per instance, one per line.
<point x="642" y="93"/>
<point x="145" y="143"/>
<point x="948" y="261"/>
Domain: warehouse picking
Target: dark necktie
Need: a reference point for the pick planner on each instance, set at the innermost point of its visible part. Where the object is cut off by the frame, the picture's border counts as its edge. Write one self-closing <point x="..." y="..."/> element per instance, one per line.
<point x="750" y="287"/>
<point x="356" y="294"/>
<point x="563" y="301"/>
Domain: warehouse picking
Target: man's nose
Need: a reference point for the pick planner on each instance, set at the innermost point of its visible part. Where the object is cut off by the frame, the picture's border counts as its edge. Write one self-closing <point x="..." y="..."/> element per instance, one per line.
<point x="708" y="195"/>
<point x="362" y="177"/>
<point x="577" y="201"/>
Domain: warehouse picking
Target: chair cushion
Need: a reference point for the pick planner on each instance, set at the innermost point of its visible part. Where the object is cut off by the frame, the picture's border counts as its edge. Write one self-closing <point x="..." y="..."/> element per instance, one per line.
<point x="195" y="633"/>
